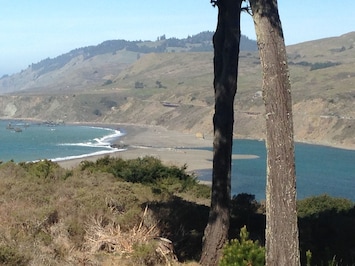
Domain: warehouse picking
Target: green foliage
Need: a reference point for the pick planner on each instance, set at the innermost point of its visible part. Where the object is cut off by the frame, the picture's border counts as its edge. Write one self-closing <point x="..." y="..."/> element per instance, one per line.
<point x="147" y="170"/>
<point x="309" y="257"/>
<point x="243" y="252"/>
<point x="317" y="65"/>
<point x="138" y="85"/>
<point x="160" y="85"/>
<point x="316" y="205"/>
<point x="12" y="257"/>
<point x="97" y="112"/>
<point x="45" y="169"/>
<point x="108" y="102"/>
<point x="201" y="191"/>
<point x="320" y="65"/>
<point x="145" y="254"/>
<point x="107" y="82"/>
<point x="244" y="204"/>
<point x="245" y="210"/>
<point x="326" y="227"/>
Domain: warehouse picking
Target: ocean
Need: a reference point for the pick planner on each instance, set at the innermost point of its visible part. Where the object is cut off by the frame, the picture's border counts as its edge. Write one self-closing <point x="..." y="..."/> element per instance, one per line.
<point x="319" y="169"/>
<point x="38" y="141"/>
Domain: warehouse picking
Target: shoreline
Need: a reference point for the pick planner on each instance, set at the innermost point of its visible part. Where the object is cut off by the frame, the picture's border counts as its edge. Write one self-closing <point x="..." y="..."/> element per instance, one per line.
<point x="144" y="126"/>
<point x="170" y="146"/>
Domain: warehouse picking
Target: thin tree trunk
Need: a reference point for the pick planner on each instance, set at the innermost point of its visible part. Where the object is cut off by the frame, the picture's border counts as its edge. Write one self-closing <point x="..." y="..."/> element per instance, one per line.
<point x="226" y="52"/>
<point x="282" y="246"/>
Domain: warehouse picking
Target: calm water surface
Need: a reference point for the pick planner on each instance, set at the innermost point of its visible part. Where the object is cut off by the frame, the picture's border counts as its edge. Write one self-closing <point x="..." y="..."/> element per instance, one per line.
<point x="319" y="170"/>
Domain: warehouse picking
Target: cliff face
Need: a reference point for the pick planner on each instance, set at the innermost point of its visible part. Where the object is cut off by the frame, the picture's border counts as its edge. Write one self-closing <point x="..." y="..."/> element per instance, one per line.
<point x="175" y="90"/>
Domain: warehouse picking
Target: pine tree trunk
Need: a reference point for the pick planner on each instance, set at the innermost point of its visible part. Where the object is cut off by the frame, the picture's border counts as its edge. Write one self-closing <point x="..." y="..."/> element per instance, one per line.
<point x="226" y="52"/>
<point x="282" y="246"/>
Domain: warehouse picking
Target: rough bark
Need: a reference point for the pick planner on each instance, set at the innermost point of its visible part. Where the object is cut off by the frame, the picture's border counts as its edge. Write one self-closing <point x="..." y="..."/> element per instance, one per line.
<point x="226" y="52"/>
<point x="282" y="246"/>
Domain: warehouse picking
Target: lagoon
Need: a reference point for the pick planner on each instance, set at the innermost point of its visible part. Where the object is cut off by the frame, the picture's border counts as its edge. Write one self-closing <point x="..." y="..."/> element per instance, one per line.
<point x="319" y="170"/>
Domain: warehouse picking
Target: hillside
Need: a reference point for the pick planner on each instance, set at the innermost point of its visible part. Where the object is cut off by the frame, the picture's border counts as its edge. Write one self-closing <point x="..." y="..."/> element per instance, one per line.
<point x="174" y="89"/>
<point x="92" y="66"/>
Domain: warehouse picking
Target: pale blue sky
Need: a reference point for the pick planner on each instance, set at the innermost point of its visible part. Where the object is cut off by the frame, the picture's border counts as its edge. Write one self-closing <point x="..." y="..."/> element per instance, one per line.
<point x="31" y="30"/>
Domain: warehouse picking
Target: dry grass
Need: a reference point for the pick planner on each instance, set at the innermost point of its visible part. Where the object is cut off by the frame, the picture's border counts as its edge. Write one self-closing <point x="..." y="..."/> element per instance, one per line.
<point x="83" y="218"/>
<point x="108" y="236"/>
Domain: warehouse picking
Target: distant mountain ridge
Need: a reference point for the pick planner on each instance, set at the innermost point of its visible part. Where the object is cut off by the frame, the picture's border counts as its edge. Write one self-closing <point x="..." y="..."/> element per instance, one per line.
<point x="130" y="50"/>
<point x="201" y="42"/>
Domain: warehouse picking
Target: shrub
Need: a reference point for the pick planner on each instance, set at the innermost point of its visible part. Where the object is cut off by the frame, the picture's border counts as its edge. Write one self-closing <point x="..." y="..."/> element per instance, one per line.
<point x="45" y="169"/>
<point x="326" y="228"/>
<point x="76" y="231"/>
<point x="147" y="170"/>
<point x="314" y="206"/>
<point x="107" y="82"/>
<point x="309" y="257"/>
<point x="10" y="256"/>
<point x="320" y="65"/>
<point x="243" y="252"/>
<point x="201" y="191"/>
<point x="145" y="254"/>
<point x="97" y="112"/>
<point x="244" y="204"/>
<point x="138" y="85"/>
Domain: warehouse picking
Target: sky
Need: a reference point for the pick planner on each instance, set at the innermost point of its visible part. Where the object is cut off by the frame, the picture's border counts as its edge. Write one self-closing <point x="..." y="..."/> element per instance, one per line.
<point x="32" y="30"/>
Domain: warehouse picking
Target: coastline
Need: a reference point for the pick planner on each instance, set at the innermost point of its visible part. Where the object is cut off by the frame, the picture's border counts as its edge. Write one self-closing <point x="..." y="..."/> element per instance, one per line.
<point x="134" y="127"/>
<point x="171" y="147"/>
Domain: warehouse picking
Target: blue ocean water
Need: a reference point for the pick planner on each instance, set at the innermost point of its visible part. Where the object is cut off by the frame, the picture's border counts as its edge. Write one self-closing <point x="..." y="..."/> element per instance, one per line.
<point x="319" y="170"/>
<point x="60" y="142"/>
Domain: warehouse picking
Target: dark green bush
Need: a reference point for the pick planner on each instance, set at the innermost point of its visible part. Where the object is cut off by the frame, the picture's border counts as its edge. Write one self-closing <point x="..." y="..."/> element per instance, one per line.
<point x="147" y="170"/>
<point x="97" y="112"/>
<point x="107" y="82"/>
<point x="244" y="204"/>
<point x="316" y="205"/>
<point x="326" y="228"/>
<point x="45" y="169"/>
<point x="320" y="65"/>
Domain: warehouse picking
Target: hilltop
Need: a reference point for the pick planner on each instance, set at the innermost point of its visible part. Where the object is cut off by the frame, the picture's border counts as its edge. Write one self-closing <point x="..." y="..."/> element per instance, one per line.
<point x="171" y="86"/>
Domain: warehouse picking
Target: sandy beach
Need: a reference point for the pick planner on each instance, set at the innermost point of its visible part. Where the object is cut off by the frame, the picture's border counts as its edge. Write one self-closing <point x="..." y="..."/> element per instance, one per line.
<point x="171" y="147"/>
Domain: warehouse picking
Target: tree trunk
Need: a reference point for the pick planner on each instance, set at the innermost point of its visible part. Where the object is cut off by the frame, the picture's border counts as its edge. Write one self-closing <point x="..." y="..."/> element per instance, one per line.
<point x="282" y="247"/>
<point x="226" y="52"/>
